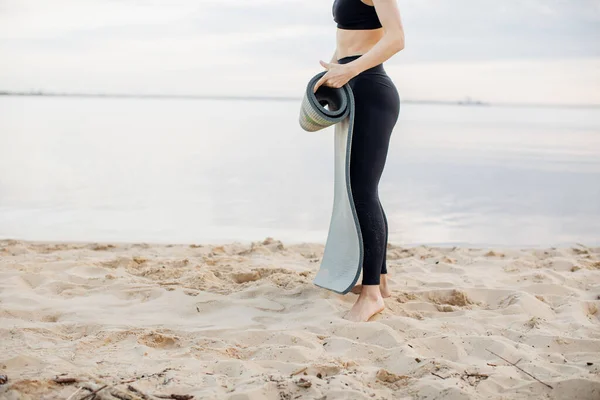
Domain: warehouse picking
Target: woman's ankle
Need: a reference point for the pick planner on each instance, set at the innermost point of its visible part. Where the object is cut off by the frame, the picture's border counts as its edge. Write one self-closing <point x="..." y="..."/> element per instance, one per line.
<point x="371" y="291"/>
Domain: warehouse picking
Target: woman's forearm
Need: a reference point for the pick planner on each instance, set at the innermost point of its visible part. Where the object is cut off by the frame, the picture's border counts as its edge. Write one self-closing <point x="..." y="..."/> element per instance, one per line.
<point x="391" y="42"/>
<point x="386" y="47"/>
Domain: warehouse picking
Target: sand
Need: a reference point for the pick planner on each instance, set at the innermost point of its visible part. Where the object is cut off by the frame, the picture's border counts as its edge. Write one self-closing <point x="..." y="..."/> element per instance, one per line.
<point x="244" y="321"/>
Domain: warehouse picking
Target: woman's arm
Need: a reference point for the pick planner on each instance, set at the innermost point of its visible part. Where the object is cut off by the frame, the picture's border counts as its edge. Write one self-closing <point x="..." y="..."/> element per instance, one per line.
<point x="391" y="42"/>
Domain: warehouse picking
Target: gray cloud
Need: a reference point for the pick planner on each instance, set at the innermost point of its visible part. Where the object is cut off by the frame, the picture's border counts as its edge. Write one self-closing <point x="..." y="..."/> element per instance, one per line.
<point x="435" y="29"/>
<point x="475" y="30"/>
<point x="116" y="44"/>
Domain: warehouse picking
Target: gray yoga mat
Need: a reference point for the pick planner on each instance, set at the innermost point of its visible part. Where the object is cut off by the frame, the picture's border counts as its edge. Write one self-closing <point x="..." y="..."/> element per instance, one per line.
<point x="343" y="257"/>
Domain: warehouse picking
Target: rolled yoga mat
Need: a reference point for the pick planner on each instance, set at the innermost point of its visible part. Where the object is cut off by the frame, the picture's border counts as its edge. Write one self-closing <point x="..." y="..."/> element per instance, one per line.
<point x="343" y="257"/>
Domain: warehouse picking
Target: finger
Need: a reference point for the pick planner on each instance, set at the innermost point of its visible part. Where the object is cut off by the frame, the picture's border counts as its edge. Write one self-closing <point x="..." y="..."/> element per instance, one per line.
<point x="319" y="83"/>
<point x="334" y="84"/>
<point x="316" y="87"/>
<point x="324" y="64"/>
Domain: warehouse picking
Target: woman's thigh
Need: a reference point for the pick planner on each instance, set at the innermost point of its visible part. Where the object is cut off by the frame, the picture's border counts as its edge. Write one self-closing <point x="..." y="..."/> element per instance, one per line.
<point x="376" y="113"/>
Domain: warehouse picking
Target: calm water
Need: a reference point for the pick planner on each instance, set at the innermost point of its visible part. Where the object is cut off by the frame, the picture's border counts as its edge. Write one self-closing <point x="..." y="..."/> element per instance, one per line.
<point x="210" y="171"/>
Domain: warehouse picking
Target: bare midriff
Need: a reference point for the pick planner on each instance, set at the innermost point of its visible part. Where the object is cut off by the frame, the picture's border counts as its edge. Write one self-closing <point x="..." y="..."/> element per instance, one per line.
<point x="356" y="42"/>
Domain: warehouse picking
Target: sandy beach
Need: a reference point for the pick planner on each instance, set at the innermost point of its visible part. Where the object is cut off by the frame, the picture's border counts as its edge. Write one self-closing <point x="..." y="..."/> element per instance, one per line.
<point x="244" y="321"/>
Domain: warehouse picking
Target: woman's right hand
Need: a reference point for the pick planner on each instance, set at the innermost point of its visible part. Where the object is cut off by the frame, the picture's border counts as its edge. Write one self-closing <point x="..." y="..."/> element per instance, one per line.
<point x="337" y="75"/>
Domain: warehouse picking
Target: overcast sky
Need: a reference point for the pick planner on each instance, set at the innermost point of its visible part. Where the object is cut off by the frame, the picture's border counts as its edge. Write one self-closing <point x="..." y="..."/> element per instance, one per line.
<point x="525" y="51"/>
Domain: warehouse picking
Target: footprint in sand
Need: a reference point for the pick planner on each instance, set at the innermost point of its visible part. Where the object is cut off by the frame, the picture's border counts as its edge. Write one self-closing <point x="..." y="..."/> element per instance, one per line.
<point x="158" y="340"/>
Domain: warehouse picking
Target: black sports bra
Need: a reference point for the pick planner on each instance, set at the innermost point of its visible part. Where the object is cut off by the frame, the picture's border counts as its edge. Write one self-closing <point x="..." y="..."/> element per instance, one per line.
<point x="354" y="14"/>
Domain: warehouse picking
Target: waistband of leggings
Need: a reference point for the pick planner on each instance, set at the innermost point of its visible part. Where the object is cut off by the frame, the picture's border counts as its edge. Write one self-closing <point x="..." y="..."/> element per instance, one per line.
<point x="378" y="69"/>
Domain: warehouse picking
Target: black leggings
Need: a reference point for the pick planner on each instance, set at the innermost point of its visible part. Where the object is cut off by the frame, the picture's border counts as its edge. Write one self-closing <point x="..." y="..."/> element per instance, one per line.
<point x="377" y="106"/>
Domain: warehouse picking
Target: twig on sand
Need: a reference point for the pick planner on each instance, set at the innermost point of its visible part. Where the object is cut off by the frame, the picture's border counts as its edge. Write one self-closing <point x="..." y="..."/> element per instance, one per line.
<point x="477" y="375"/>
<point x="142" y="394"/>
<point x="122" y="396"/>
<point x="161" y="373"/>
<point x="439" y="376"/>
<point x="520" y="369"/>
<point x="301" y="370"/>
<point x="120" y="393"/>
<point x="65" y="381"/>
<point x="93" y="394"/>
<point x="111" y="388"/>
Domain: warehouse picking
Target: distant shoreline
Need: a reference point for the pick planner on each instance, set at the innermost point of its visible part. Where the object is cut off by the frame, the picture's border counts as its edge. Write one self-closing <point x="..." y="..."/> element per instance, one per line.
<point x="470" y="103"/>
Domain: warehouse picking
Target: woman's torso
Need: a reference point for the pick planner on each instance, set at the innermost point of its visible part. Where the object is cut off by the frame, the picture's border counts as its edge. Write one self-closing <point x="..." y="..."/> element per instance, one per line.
<point x="373" y="90"/>
<point x="358" y="29"/>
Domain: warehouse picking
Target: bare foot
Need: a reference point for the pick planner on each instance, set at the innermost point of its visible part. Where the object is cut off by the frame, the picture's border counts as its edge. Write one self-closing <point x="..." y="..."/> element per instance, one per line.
<point x="368" y="304"/>
<point x="383" y="288"/>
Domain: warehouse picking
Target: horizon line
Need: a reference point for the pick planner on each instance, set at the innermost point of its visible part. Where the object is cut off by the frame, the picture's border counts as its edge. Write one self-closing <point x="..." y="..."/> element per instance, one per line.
<point x="467" y="102"/>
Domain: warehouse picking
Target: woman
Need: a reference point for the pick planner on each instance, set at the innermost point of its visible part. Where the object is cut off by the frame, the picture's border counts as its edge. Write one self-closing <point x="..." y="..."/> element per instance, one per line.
<point x="369" y="32"/>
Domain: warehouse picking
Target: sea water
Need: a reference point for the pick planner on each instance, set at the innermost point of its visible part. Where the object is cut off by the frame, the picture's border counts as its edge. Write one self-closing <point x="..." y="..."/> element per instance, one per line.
<point x="210" y="171"/>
